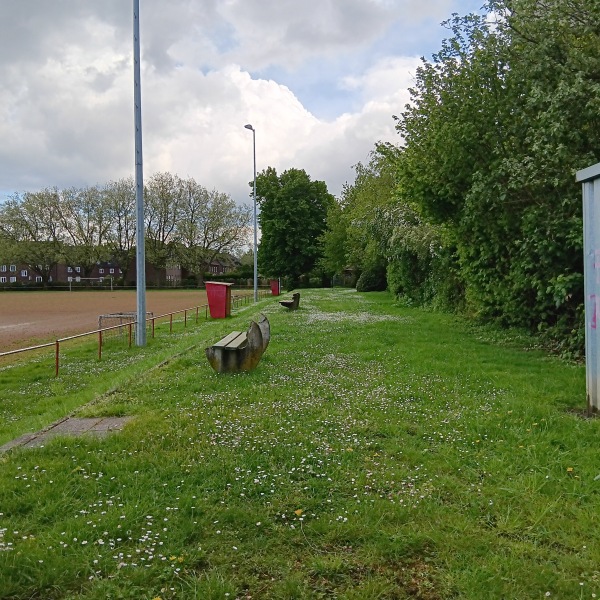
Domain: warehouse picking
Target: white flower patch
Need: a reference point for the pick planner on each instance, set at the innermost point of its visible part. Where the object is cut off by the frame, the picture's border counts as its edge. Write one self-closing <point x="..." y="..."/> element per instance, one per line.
<point x="316" y="316"/>
<point x="5" y="546"/>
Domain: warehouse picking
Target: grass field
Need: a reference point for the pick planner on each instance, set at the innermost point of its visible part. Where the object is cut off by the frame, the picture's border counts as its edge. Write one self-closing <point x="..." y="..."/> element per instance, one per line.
<point x="376" y="452"/>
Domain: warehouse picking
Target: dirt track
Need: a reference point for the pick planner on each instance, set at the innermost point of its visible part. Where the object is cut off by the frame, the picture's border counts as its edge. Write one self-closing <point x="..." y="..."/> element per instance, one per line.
<point x="29" y="318"/>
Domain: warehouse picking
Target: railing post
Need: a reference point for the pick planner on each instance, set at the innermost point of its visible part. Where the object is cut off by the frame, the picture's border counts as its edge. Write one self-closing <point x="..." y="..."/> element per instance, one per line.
<point x="197" y="309"/>
<point x="100" y="344"/>
<point x="184" y="319"/>
<point x="152" y="327"/>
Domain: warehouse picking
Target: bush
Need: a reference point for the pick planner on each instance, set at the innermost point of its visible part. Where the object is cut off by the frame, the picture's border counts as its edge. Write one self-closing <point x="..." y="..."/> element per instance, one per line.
<point x="372" y="279"/>
<point x="289" y="283"/>
<point x="190" y="282"/>
<point x="405" y="277"/>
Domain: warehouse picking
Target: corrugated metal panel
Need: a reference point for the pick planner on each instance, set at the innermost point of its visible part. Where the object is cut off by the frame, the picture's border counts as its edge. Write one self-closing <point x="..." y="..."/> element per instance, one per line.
<point x="590" y="178"/>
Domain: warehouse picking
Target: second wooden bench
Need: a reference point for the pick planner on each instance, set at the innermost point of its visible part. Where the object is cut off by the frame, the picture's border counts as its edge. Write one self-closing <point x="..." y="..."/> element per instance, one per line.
<point x="293" y="303"/>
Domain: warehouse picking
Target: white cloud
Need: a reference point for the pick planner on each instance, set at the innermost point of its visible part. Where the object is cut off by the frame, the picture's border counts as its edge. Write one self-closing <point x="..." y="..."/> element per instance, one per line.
<point x="385" y="79"/>
<point x="272" y="31"/>
<point x="209" y="67"/>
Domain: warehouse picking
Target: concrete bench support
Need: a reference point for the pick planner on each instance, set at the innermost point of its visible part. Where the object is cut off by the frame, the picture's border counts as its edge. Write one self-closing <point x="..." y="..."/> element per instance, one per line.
<point x="240" y="350"/>
<point x="293" y="303"/>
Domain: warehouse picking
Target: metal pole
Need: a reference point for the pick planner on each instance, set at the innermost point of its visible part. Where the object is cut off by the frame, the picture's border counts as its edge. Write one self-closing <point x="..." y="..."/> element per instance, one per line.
<point x="255" y="240"/>
<point x="140" y="330"/>
<point x="254" y="214"/>
<point x="56" y="357"/>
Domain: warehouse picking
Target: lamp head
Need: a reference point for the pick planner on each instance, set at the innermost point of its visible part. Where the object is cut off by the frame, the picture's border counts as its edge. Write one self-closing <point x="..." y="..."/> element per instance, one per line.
<point x="249" y="127"/>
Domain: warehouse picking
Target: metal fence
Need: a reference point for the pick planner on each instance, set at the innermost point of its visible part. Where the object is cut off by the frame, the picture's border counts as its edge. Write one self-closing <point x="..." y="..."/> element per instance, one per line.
<point x="194" y="313"/>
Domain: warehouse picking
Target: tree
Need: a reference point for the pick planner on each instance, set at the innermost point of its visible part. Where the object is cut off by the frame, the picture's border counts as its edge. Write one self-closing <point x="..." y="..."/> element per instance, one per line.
<point x="293" y="213"/>
<point x="454" y="129"/>
<point x="498" y="123"/>
<point x="454" y="125"/>
<point x="210" y="224"/>
<point x="359" y="225"/>
<point x="29" y="225"/>
<point x="84" y="223"/>
<point x="120" y="205"/>
<point x="163" y="196"/>
<point x="184" y="223"/>
<point x="335" y="241"/>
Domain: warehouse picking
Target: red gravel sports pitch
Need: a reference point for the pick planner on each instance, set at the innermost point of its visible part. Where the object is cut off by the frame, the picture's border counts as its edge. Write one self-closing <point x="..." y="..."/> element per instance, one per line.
<point x="30" y="318"/>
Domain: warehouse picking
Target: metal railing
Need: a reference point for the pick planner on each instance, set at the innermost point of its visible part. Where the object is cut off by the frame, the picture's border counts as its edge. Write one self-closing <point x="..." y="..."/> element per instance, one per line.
<point x="236" y="301"/>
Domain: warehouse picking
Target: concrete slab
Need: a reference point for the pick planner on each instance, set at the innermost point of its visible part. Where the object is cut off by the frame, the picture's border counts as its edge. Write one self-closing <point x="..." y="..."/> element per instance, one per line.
<point x="98" y="427"/>
<point x="74" y="426"/>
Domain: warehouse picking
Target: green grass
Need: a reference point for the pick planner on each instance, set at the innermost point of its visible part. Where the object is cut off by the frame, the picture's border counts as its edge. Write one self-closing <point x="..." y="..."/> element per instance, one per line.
<point x="377" y="451"/>
<point x="32" y="397"/>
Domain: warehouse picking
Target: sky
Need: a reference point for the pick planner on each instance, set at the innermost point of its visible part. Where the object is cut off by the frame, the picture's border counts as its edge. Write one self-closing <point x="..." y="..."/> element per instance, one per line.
<point x="319" y="80"/>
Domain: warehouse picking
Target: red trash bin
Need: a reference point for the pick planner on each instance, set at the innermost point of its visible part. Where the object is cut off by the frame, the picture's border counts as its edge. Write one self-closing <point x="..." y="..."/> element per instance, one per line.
<point x="219" y="299"/>
<point x="274" y="287"/>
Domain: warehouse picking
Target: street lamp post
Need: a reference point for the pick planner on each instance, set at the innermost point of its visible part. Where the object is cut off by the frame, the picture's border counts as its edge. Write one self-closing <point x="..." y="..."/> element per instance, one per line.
<point x="254" y="197"/>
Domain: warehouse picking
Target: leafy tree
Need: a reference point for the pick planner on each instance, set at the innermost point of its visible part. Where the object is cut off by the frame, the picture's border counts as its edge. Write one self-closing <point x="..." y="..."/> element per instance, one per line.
<point x="293" y="213"/>
<point x="453" y="126"/>
<point x="210" y="224"/>
<point x="120" y="204"/>
<point x="555" y="57"/>
<point x="499" y="121"/>
<point x="335" y="241"/>
<point x="184" y="223"/>
<point x="163" y="197"/>
<point x="29" y="226"/>
<point x="372" y="203"/>
<point x="360" y="226"/>
<point x="84" y="223"/>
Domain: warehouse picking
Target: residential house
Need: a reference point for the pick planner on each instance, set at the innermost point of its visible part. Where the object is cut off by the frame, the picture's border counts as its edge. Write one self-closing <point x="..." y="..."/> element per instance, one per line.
<point x="18" y="274"/>
<point x="174" y="275"/>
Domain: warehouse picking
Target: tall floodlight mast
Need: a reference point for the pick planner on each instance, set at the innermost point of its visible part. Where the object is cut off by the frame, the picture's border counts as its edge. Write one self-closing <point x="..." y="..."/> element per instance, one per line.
<point x="140" y="330"/>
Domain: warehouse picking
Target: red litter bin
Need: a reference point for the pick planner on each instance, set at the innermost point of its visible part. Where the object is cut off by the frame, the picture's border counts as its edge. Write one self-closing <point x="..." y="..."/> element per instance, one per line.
<point x="274" y="287"/>
<point x="219" y="299"/>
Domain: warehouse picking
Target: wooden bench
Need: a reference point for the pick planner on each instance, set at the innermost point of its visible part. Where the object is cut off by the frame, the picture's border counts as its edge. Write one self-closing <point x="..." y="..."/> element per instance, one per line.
<point x="240" y="350"/>
<point x="233" y="341"/>
<point x="293" y="303"/>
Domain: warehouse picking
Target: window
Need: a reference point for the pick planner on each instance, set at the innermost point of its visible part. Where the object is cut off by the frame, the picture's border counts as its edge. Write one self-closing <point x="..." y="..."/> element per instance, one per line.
<point x="77" y="279"/>
<point x="13" y="279"/>
<point x="111" y="270"/>
<point x="38" y="279"/>
<point x="78" y="269"/>
<point x="101" y="271"/>
<point x="120" y="271"/>
<point x="100" y="279"/>
<point x="24" y="273"/>
<point x="69" y="279"/>
<point x="13" y="268"/>
<point x="69" y="269"/>
<point x="2" y="279"/>
<point x="3" y="268"/>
